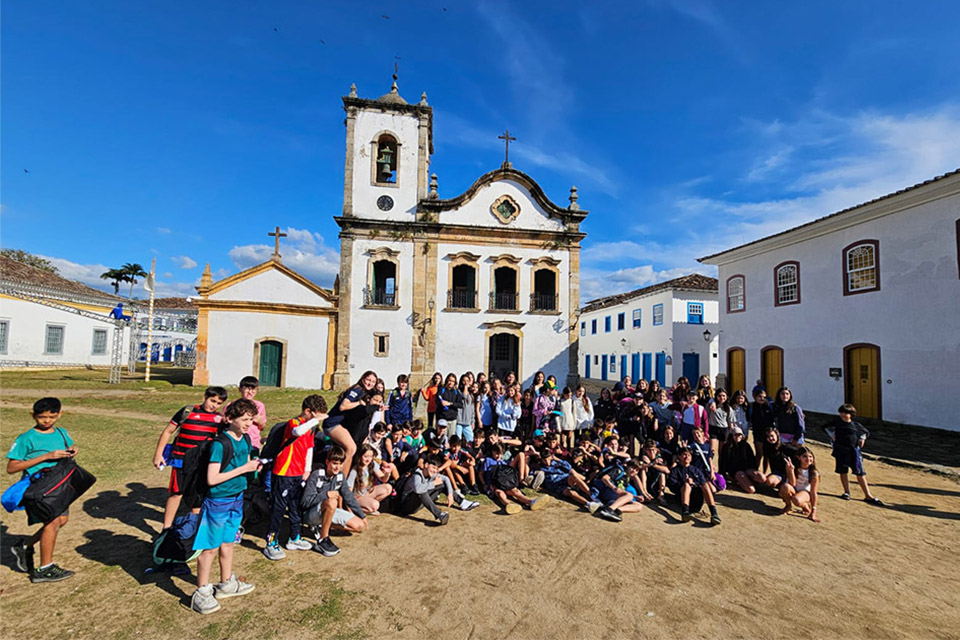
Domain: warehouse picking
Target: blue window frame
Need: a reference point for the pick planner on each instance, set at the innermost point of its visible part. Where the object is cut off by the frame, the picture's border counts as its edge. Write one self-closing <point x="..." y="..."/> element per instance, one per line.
<point x="694" y="313"/>
<point x="583" y="329"/>
<point x="636" y="318"/>
<point x="621" y="321"/>
<point x="606" y="324"/>
<point x="657" y="315"/>
<point x="593" y="326"/>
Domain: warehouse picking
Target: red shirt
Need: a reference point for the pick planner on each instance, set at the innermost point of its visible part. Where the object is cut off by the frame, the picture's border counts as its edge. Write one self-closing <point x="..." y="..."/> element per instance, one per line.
<point x="196" y="427"/>
<point x="292" y="459"/>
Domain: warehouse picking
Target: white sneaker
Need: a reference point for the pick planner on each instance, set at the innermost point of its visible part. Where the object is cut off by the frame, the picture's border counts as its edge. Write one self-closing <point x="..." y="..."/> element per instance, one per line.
<point x="468" y="505"/>
<point x="593" y="506"/>
<point x="274" y="552"/>
<point x="232" y="587"/>
<point x="298" y="544"/>
<point x="203" y="600"/>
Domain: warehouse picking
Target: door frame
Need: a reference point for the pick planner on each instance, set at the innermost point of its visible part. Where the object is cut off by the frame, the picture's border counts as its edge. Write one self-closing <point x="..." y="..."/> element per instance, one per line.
<point x="504" y="326"/>
<point x="846" y="374"/>
<point x="763" y="368"/>
<point x="730" y="381"/>
<point x="283" y="358"/>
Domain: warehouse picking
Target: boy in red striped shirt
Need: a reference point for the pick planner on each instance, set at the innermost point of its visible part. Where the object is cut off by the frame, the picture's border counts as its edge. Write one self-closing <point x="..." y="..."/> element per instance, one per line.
<point x="196" y="425"/>
<point x="291" y="469"/>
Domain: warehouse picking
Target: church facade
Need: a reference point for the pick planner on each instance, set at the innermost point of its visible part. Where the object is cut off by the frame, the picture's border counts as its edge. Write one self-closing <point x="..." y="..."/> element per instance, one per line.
<point x="487" y="280"/>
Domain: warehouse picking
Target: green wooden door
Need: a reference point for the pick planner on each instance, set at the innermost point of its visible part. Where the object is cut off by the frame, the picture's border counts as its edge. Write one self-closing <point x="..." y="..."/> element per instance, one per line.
<point x="271" y="355"/>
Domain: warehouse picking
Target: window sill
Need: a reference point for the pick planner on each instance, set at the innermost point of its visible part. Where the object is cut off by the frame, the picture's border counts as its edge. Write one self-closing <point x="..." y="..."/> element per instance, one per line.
<point x="510" y="311"/>
<point x="461" y="310"/>
<point x="381" y="307"/>
<point x="551" y="312"/>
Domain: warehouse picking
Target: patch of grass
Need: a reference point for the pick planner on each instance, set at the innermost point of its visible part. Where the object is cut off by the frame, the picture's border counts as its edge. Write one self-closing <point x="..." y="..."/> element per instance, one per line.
<point x="161" y="377"/>
<point x="330" y="611"/>
<point x="229" y="628"/>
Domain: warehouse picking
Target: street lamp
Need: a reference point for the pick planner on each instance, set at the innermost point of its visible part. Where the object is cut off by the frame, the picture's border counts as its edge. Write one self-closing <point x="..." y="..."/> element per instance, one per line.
<point x="706" y="335"/>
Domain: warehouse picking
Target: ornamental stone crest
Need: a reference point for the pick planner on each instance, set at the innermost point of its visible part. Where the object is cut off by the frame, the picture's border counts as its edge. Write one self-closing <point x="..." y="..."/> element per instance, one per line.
<point x="505" y="209"/>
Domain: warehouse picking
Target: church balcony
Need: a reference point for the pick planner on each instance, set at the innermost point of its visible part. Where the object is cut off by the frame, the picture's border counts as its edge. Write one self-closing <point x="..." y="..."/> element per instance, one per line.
<point x="380" y="298"/>
<point x="547" y="303"/>
<point x="504" y="301"/>
<point x="462" y="300"/>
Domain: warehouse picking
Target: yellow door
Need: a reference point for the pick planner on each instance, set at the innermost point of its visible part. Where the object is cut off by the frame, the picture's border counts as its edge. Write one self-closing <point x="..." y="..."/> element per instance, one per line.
<point x="736" y="370"/>
<point x="863" y="380"/>
<point x="772" y="370"/>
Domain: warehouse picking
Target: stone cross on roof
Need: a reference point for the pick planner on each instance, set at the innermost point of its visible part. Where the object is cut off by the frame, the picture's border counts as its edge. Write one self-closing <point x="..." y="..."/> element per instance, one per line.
<point x="276" y="235"/>
<point x="507" y="139"/>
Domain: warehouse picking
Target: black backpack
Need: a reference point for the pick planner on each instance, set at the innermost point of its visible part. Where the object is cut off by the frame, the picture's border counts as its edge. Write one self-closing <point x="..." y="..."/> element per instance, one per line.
<point x="275" y="442"/>
<point x="195" y="461"/>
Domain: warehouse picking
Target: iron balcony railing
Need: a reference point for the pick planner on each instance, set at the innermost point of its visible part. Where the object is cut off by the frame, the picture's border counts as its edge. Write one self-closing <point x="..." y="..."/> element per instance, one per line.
<point x="544" y="302"/>
<point x="379" y="298"/>
<point x="504" y="300"/>
<point x="461" y="299"/>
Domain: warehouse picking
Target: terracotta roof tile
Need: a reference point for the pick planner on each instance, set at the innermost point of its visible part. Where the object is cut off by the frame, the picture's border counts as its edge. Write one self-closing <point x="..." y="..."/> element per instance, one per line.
<point x="17" y="271"/>
<point x="692" y="282"/>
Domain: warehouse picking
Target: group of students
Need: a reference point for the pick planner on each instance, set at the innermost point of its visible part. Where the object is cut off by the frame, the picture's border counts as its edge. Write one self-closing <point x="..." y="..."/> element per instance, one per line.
<point x="331" y="468"/>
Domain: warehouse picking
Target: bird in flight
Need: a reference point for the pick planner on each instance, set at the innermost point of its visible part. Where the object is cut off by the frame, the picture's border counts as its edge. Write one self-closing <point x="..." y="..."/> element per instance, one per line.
<point x="275" y="29"/>
<point x="25" y="171"/>
<point x="385" y="16"/>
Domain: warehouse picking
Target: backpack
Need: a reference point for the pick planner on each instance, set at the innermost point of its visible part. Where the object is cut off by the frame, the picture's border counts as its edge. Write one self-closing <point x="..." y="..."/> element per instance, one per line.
<point x="195" y="463"/>
<point x="504" y="477"/>
<point x="275" y="443"/>
<point x="175" y="545"/>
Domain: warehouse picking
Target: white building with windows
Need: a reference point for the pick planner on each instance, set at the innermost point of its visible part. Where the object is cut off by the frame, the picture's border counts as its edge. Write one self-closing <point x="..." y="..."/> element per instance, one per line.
<point x="860" y="306"/>
<point x="660" y="332"/>
<point x="487" y="280"/>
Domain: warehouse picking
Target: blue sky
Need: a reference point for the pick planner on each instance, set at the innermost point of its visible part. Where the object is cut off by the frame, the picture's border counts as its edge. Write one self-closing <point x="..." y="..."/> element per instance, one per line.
<point x="186" y="131"/>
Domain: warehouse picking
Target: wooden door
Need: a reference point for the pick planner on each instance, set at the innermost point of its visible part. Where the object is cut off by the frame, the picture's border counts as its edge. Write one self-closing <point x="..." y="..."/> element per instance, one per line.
<point x="661" y="365"/>
<point x="587" y="372"/>
<point x="635" y="367"/>
<point x="691" y="368"/>
<point x="771" y="369"/>
<point x="603" y="365"/>
<point x="648" y="367"/>
<point x="736" y="370"/>
<point x="271" y="355"/>
<point x="863" y="380"/>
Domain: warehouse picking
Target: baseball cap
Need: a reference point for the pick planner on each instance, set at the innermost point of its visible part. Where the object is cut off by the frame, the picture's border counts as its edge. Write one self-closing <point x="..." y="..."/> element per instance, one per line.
<point x="537" y="433"/>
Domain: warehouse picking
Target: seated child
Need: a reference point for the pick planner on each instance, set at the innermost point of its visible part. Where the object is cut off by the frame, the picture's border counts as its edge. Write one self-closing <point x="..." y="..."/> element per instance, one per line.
<point x="684" y="478"/>
<point x="561" y="480"/>
<point x="401" y="454"/>
<point x="422" y="487"/>
<point x="415" y="439"/>
<point x="653" y="472"/>
<point x="462" y="467"/>
<point x="368" y="481"/>
<point x="800" y="487"/>
<point x="324" y="497"/>
<point x="290" y="469"/>
<point x="222" y="508"/>
<point x="738" y="461"/>
<point x="703" y="459"/>
<point x="611" y="485"/>
<point x="377" y="439"/>
<point x="40" y="448"/>
<point x="503" y="482"/>
<point x="692" y="416"/>
<point x="194" y="426"/>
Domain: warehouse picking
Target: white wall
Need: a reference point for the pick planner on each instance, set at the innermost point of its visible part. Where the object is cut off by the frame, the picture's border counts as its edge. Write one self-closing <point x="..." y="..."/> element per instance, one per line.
<point x="476" y="212"/>
<point x="272" y="286"/>
<point x="914" y="318"/>
<point x="233" y="334"/>
<point x="26" y="338"/>
<point x="674" y="337"/>
<point x="405" y="128"/>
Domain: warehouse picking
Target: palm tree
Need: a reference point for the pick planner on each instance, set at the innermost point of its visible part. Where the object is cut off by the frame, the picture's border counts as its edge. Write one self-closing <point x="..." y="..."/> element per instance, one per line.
<point x="131" y="272"/>
<point x="115" y="277"/>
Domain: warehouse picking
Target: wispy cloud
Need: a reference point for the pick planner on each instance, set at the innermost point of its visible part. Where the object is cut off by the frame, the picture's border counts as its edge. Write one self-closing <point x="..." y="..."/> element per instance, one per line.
<point x="164" y="230"/>
<point x="708" y="14"/>
<point x="597" y="283"/>
<point x="302" y="250"/>
<point x="89" y="274"/>
<point x="184" y="262"/>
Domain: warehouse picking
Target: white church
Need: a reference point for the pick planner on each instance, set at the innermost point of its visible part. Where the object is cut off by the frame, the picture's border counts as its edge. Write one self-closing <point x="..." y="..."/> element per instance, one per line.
<point x="487" y="280"/>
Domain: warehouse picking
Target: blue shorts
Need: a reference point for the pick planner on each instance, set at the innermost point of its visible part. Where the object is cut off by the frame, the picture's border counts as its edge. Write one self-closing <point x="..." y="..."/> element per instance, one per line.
<point x="849" y="459"/>
<point x="219" y="522"/>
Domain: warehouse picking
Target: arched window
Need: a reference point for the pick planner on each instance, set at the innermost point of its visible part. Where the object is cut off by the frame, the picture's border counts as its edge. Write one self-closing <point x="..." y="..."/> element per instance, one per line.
<point x="861" y="267"/>
<point x="382" y="272"/>
<point x="505" y="281"/>
<point x="736" y="294"/>
<point x="786" y="281"/>
<point x="386" y="167"/>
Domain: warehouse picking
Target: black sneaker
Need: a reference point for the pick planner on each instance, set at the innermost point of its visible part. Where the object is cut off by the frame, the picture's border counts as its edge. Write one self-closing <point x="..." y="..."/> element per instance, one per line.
<point x="686" y="516"/>
<point x="715" y="520"/>
<point x="844" y="496"/>
<point x="472" y="490"/>
<point x="24" y="555"/>
<point x="877" y="502"/>
<point x="443" y="518"/>
<point x="53" y="573"/>
<point x="609" y="514"/>
<point x="327" y="548"/>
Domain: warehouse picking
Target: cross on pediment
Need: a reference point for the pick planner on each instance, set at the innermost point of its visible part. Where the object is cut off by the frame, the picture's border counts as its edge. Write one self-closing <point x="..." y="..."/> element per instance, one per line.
<point x="507" y="139"/>
<point x="276" y="235"/>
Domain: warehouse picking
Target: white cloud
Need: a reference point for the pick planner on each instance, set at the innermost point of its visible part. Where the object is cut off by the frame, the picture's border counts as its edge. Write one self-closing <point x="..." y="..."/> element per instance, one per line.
<point x="302" y="250"/>
<point x="89" y="274"/>
<point x="164" y="230"/>
<point x="598" y="284"/>
<point x="184" y="262"/>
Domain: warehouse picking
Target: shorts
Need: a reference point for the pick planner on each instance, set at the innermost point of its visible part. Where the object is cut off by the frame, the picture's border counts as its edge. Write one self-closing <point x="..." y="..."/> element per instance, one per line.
<point x="314" y="516"/>
<point x="176" y="481"/>
<point x="219" y="522"/>
<point x="849" y="459"/>
<point x="607" y="495"/>
<point x="32" y="519"/>
<point x="719" y="433"/>
<point x="341" y="517"/>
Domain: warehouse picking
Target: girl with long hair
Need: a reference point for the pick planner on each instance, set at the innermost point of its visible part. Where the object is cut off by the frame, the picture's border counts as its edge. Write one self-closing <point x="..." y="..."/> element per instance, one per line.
<point x="349" y="411"/>
<point x="788" y="417"/>
<point x="368" y="481"/>
<point x="801" y="485"/>
<point x="429" y="393"/>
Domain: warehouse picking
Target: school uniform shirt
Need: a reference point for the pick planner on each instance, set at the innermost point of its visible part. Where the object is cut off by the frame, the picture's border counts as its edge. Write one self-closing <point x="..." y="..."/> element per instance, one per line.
<point x="680" y="473"/>
<point x="241" y="455"/>
<point x="338" y="416"/>
<point x="449" y="413"/>
<point x="399" y="446"/>
<point x="399" y="407"/>
<point x="196" y="426"/>
<point x="701" y="458"/>
<point x="33" y="444"/>
<point x="296" y="458"/>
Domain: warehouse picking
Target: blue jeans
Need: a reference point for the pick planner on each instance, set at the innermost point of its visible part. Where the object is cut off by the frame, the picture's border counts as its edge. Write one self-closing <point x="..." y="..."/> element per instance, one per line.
<point x="465" y="433"/>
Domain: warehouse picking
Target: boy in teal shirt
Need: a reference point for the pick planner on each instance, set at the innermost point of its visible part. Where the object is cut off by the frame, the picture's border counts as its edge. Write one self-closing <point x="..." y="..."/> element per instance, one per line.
<point x="39" y="448"/>
<point x="222" y="508"/>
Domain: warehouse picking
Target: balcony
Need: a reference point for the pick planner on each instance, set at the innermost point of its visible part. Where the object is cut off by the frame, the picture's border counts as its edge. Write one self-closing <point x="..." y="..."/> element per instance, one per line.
<point x="504" y="300"/>
<point x="380" y="298"/>
<point x="544" y="302"/>
<point x="461" y="299"/>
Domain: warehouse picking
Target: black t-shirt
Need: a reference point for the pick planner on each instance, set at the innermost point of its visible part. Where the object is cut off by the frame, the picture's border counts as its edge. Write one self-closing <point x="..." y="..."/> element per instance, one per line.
<point x="846" y="435"/>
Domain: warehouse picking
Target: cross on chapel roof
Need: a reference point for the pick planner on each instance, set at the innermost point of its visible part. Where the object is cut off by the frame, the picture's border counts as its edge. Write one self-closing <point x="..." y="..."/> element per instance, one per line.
<point x="276" y="235"/>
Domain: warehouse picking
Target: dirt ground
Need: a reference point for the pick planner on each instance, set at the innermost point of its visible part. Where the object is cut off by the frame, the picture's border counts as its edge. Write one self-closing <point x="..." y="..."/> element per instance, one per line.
<point x="864" y="572"/>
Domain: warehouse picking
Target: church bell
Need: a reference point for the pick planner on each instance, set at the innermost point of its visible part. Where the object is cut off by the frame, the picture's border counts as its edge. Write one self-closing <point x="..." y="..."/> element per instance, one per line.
<point x="384" y="162"/>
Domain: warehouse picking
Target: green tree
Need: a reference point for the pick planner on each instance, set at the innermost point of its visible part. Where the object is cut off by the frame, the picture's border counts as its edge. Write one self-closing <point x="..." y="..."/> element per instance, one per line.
<point x="30" y="260"/>
<point x="114" y="277"/>
<point x="132" y="271"/>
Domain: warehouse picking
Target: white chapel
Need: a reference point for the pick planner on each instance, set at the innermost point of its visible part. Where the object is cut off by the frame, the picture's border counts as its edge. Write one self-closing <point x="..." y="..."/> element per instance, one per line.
<point x="488" y="280"/>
